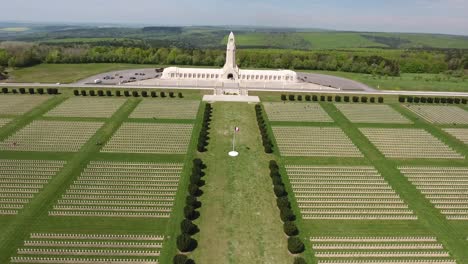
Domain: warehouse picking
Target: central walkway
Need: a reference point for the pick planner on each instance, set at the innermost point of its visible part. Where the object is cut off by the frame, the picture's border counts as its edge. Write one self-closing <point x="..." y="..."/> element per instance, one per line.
<point x="239" y="220"/>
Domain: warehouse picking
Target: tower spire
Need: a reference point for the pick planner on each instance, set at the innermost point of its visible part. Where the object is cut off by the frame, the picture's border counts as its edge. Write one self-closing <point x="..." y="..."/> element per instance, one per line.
<point x="231" y="70"/>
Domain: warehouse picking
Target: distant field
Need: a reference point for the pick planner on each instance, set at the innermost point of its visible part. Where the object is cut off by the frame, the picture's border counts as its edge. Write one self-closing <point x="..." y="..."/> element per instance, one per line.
<point x="407" y="81"/>
<point x="15" y="29"/>
<point x="67" y="73"/>
<point x="79" y="40"/>
<point x="335" y="40"/>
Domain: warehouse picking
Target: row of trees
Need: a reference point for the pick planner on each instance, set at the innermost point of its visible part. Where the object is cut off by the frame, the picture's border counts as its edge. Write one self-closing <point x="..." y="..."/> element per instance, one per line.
<point x="5" y="90"/>
<point x="185" y="242"/>
<point x="432" y="100"/>
<point x="127" y="93"/>
<point x="295" y="244"/>
<point x="331" y="98"/>
<point x="267" y="143"/>
<point x="204" y="134"/>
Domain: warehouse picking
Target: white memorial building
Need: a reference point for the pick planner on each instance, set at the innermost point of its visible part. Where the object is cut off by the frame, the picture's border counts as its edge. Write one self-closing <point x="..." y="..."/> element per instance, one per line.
<point x="230" y="73"/>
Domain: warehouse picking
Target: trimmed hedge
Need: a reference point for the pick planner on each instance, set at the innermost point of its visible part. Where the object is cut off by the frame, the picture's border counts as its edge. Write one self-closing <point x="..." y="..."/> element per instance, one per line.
<point x="432" y="100"/>
<point x="267" y="143"/>
<point x="203" y="138"/>
<point x="330" y="98"/>
<point x="295" y="245"/>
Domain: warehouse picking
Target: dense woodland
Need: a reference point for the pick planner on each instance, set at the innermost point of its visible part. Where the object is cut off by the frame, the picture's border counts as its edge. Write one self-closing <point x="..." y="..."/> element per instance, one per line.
<point x="387" y="62"/>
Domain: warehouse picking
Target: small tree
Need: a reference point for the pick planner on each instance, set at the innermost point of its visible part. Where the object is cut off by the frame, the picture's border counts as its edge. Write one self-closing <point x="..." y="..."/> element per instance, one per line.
<point x="290" y="228"/>
<point x="118" y="93"/>
<point x="14" y="91"/>
<point x="31" y="91"/>
<point x="185" y="243"/>
<point x="283" y="202"/>
<point x="190" y="213"/>
<point x="194" y="190"/>
<point x="144" y="94"/>
<point x="363" y="99"/>
<point x="92" y="93"/>
<point x="83" y="92"/>
<point x="171" y="94"/>
<point x="153" y="94"/>
<point x="100" y="92"/>
<point x="163" y="94"/>
<point x="192" y="201"/>
<point x="299" y="97"/>
<point x="291" y="97"/>
<point x="22" y="90"/>
<point x="277" y="180"/>
<point x="283" y="97"/>
<point x="135" y="94"/>
<point x="307" y="98"/>
<point x="337" y="98"/>
<point x="76" y="92"/>
<point x="108" y="93"/>
<point x="279" y="190"/>
<point x="355" y="99"/>
<point x="322" y="98"/>
<point x="401" y="99"/>
<point x="287" y="214"/>
<point x="40" y="91"/>
<point x="381" y="100"/>
<point x="295" y="245"/>
<point x="180" y="95"/>
<point x="314" y="98"/>
<point x="4" y="90"/>
<point x="180" y="259"/>
<point x="330" y="98"/>
<point x="346" y="99"/>
<point x="187" y="227"/>
<point x="372" y="100"/>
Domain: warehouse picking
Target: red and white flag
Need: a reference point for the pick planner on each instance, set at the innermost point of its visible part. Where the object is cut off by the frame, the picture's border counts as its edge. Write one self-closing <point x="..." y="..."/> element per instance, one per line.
<point x="236" y="129"/>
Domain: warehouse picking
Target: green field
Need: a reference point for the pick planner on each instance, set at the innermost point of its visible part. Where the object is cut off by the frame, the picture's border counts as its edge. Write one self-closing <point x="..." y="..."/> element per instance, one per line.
<point x="407" y="81"/>
<point x="67" y="73"/>
<point x="239" y="221"/>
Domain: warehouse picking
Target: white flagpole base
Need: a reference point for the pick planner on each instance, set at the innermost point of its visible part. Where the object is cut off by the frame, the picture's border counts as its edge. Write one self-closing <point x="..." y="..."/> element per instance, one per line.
<point x="233" y="153"/>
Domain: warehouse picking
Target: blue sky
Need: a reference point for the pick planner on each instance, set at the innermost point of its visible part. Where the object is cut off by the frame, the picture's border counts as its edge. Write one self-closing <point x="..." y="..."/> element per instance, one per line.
<point x="435" y="16"/>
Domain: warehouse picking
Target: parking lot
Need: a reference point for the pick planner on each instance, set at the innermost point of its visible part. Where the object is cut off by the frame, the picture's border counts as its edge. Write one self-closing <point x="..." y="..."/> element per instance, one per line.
<point x="122" y="77"/>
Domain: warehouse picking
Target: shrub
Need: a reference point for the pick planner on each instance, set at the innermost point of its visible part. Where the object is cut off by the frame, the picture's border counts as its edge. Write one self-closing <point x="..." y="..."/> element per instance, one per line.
<point x="330" y="98"/>
<point x="180" y="259"/>
<point x="417" y="100"/>
<point x="363" y="99"/>
<point x="346" y="99"/>
<point x="163" y="94"/>
<point x="277" y="180"/>
<point x="283" y="97"/>
<point x="423" y="100"/>
<point x="322" y="98"/>
<point x="295" y="245"/>
<point x="194" y="190"/>
<point x="185" y="243"/>
<point x="22" y="90"/>
<point x="109" y="93"/>
<point x="283" y="202"/>
<point x="314" y="98"/>
<point x="287" y="214"/>
<point x="457" y="100"/>
<point x="83" y="92"/>
<point x="180" y="95"/>
<point x="290" y="228"/>
<point x="144" y="94"/>
<point x="464" y="101"/>
<point x="273" y="165"/>
<point x="127" y="93"/>
<point x="100" y="93"/>
<point x="76" y="92"/>
<point x="299" y="260"/>
<point x="92" y="93"/>
<point x="15" y="91"/>
<point x="410" y="99"/>
<point x="153" y="94"/>
<point x="291" y="97"/>
<point x="307" y="98"/>
<point x="171" y="94"/>
<point x="135" y="94"/>
<point x="372" y="99"/>
<point x="40" y="91"/>
<point x="299" y="97"/>
<point x="203" y="137"/>
<point x="337" y="98"/>
<point x="437" y="100"/>
<point x="4" y="90"/>
<point x="279" y="190"/>
<point x="190" y="212"/>
<point x="118" y="93"/>
<point x="187" y="227"/>
<point x="381" y="100"/>
<point x="430" y="100"/>
<point x="192" y="201"/>
<point x="31" y="90"/>
<point x="401" y="99"/>
<point x="355" y="99"/>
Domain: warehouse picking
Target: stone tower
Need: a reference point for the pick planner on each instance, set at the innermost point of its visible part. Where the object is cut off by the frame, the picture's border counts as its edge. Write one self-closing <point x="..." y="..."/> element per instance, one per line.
<point x="230" y="69"/>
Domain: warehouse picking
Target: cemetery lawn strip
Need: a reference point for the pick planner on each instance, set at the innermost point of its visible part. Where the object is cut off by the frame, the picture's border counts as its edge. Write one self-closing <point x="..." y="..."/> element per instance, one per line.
<point x="239" y="220"/>
<point x="429" y="217"/>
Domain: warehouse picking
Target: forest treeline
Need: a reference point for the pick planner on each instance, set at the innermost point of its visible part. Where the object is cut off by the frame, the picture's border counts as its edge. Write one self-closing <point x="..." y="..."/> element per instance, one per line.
<point x="371" y="61"/>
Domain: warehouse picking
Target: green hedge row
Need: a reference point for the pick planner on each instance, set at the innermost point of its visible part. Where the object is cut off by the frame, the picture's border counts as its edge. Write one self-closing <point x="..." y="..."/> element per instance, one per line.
<point x="126" y="93"/>
<point x="267" y="143"/>
<point x="432" y="100"/>
<point x="332" y="98"/>
<point x="203" y="138"/>
<point x="295" y="244"/>
<point x="30" y="90"/>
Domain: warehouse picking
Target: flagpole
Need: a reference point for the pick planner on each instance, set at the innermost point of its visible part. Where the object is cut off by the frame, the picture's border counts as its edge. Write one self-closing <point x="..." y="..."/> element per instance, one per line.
<point x="234" y="140"/>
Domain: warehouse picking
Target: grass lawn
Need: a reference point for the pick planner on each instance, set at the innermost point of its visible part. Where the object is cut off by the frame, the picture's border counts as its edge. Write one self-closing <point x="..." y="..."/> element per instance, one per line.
<point x="407" y="81"/>
<point x="239" y="220"/>
<point x="67" y="73"/>
<point x="34" y="217"/>
<point x="430" y="221"/>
